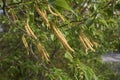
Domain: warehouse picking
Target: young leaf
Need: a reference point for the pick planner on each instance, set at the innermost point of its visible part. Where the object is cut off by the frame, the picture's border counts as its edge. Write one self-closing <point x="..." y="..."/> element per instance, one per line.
<point x="68" y="56"/>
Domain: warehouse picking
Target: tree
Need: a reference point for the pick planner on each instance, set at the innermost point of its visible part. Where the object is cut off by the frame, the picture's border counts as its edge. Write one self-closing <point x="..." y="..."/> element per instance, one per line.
<point x="57" y="39"/>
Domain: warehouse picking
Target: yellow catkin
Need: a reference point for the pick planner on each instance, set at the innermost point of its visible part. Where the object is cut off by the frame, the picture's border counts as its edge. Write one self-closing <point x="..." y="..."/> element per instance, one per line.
<point x="88" y="44"/>
<point x="61" y="38"/>
<point x="56" y="14"/>
<point x="88" y="40"/>
<point x="43" y="53"/>
<point x="25" y="44"/>
<point x="43" y="14"/>
<point x="41" y="50"/>
<point x="14" y="17"/>
<point x="95" y="43"/>
<point x="30" y="31"/>
<point x="82" y="41"/>
<point x="52" y="11"/>
<point x="62" y="18"/>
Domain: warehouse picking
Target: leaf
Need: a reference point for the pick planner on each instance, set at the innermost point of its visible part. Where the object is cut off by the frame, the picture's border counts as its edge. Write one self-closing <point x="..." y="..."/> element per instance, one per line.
<point x="68" y="56"/>
<point x="88" y="72"/>
<point x="103" y="21"/>
<point x="63" y="4"/>
<point x="89" y="22"/>
<point x="52" y="37"/>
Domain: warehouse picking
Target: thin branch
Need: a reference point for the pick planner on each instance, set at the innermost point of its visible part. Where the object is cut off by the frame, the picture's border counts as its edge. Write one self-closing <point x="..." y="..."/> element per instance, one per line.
<point x="5" y="12"/>
<point x="110" y="2"/>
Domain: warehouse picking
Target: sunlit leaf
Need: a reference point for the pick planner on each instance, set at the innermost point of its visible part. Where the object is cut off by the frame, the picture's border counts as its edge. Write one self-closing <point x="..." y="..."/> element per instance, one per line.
<point x="63" y="4"/>
<point x="68" y="56"/>
<point x="52" y="37"/>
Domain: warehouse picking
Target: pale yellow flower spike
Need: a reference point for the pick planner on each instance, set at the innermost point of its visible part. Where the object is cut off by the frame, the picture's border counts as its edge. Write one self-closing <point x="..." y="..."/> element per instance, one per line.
<point x="30" y="31"/>
<point x="82" y="41"/>
<point x="43" y="53"/>
<point x="89" y="45"/>
<point x="61" y="37"/>
<point x="14" y="17"/>
<point x="25" y="44"/>
<point x="56" y="14"/>
<point x="43" y="14"/>
<point x="49" y="8"/>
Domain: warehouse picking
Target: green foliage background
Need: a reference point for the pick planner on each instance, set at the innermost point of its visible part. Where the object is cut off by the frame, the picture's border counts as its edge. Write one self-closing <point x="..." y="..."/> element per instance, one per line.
<point x="99" y="20"/>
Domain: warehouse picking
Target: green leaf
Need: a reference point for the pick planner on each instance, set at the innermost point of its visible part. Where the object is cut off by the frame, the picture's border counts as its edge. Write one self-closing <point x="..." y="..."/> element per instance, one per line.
<point x="63" y="4"/>
<point x="52" y="37"/>
<point x="68" y="56"/>
<point x="103" y="21"/>
<point x="89" y="22"/>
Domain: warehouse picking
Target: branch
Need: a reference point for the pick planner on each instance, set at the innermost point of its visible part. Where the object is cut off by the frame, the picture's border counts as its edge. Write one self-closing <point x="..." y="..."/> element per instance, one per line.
<point x="110" y="2"/>
<point x="5" y="12"/>
<point x="4" y="5"/>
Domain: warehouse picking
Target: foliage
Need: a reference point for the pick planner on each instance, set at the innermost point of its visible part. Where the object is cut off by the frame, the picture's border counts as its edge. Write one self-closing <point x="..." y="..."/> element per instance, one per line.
<point x="58" y="39"/>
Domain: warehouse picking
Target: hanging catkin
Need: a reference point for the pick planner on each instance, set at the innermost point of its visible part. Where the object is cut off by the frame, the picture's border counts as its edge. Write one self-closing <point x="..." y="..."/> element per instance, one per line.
<point x="87" y="43"/>
<point x="61" y="38"/>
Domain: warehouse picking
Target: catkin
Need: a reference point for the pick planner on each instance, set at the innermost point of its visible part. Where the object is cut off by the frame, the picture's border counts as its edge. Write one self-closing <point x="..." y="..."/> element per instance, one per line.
<point x="61" y="37"/>
<point x="87" y="44"/>
<point x="82" y="41"/>
<point x="25" y="44"/>
<point x="88" y="40"/>
<point x="95" y="43"/>
<point x="61" y="17"/>
<point x="49" y="8"/>
<point x="56" y="14"/>
<point x="14" y="17"/>
<point x="43" y="15"/>
<point x="42" y="51"/>
<point x="29" y="31"/>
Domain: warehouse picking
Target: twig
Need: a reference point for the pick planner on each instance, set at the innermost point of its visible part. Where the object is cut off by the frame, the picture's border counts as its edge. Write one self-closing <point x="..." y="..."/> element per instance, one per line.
<point x="110" y="2"/>
<point x="5" y="12"/>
